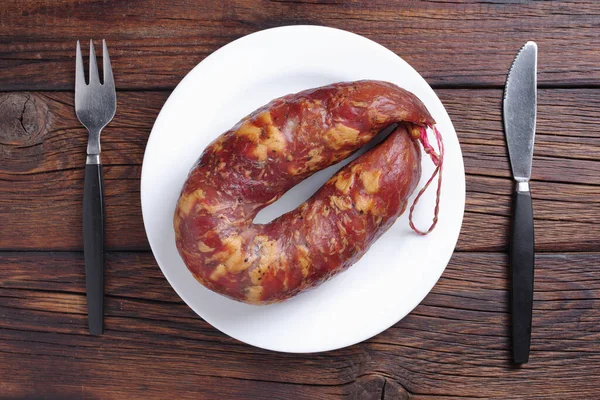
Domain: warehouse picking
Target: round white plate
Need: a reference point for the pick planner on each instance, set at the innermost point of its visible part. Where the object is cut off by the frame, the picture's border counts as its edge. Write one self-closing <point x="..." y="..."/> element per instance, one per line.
<point x="399" y="269"/>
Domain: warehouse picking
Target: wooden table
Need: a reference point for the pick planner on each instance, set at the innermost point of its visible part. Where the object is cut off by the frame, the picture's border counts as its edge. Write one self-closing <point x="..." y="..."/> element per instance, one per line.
<point x="456" y="344"/>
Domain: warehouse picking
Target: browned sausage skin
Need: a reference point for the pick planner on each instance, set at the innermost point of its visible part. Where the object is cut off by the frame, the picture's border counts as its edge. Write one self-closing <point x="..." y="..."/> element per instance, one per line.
<point x="273" y="149"/>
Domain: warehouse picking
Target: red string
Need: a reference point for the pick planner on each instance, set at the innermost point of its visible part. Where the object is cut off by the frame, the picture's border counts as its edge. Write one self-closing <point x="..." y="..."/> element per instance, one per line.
<point x="438" y="161"/>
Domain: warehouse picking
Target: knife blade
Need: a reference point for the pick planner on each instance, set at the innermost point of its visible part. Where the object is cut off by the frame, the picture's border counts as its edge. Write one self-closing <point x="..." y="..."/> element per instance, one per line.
<point x="519" y="114"/>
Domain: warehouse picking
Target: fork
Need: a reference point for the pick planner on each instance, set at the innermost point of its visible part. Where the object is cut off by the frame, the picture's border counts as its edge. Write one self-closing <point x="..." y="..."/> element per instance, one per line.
<point x="95" y="106"/>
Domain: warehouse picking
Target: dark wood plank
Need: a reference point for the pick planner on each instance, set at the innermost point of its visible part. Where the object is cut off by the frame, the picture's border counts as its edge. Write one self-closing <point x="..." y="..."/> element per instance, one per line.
<point x="455" y="344"/>
<point x="154" y="44"/>
<point x="42" y="148"/>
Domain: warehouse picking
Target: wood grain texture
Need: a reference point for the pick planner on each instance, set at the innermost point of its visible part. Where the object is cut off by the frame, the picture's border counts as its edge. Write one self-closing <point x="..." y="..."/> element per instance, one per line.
<point x="154" y="44"/>
<point x="455" y="344"/>
<point x="42" y="147"/>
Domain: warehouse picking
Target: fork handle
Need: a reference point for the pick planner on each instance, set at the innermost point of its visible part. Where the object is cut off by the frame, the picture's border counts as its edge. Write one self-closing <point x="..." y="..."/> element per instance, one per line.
<point x="93" y="245"/>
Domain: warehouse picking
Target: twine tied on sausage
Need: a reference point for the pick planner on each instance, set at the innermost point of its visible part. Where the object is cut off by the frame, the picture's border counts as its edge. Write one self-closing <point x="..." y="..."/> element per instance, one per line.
<point x="438" y="161"/>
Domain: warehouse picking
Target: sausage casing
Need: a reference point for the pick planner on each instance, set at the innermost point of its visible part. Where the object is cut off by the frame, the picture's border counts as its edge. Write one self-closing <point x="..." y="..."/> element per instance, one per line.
<point x="271" y="150"/>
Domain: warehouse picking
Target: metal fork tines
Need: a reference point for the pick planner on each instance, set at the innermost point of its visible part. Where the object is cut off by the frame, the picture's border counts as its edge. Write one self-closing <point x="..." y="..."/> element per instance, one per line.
<point x="95" y="106"/>
<point x="95" y="103"/>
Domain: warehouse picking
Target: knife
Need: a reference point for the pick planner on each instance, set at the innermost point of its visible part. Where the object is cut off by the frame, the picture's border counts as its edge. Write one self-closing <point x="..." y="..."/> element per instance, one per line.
<point x="519" y="112"/>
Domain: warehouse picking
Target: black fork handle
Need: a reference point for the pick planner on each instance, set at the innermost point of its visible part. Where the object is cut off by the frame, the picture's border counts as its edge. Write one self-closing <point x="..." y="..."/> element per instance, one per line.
<point x="93" y="246"/>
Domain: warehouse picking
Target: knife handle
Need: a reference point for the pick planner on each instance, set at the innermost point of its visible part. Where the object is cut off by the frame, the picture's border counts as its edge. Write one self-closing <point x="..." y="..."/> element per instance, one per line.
<point x="93" y="245"/>
<point x="522" y="265"/>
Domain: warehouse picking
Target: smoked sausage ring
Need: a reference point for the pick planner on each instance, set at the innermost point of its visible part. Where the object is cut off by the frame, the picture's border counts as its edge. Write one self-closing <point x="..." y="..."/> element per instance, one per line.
<point x="274" y="148"/>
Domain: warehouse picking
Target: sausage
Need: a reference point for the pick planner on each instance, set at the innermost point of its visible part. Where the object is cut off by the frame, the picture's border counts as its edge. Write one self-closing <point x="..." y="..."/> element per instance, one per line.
<point x="271" y="150"/>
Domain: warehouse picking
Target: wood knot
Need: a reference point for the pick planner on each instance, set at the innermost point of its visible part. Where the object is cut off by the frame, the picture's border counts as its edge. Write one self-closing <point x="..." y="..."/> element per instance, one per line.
<point x="22" y="117"/>
<point x="24" y="120"/>
<point x="376" y="387"/>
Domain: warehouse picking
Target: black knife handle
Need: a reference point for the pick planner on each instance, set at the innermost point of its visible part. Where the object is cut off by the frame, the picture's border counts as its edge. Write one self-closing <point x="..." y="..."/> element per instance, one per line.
<point x="93" y="245"/>
<point x="522" y="265"/>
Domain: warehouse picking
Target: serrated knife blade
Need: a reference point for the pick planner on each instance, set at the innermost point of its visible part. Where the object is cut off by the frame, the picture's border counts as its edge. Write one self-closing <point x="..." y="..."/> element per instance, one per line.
<point x="520" y="106"/>
<point x="519" y="113"/>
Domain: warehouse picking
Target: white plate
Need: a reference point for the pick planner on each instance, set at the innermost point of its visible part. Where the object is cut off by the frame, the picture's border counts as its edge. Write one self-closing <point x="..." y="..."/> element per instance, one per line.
<point x="399" y="269"/>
